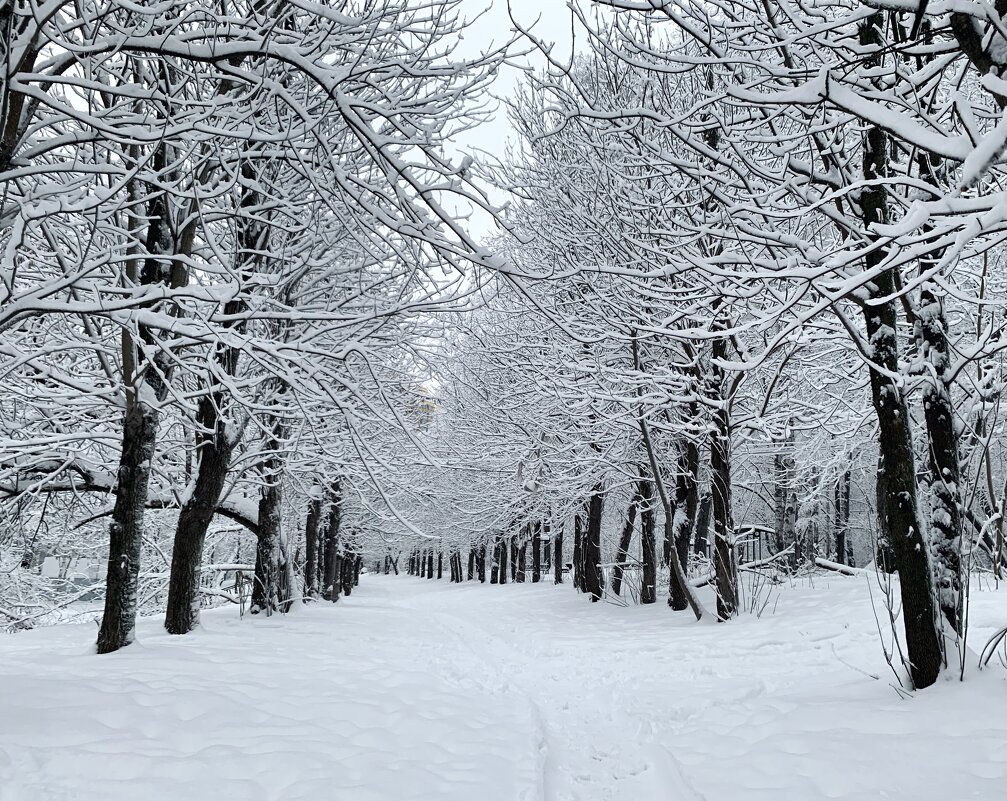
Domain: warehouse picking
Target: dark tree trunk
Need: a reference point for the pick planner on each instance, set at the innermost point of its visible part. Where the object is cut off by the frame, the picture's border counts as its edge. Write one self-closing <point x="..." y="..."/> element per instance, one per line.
<point x="578" y="553"/>
<point x="919" y="610"/>
<point x="624" y="540"/>
<point x="513" y="557"/>
<point x="481" y="563"/>
<point x="702" y="543"/>
<point x="430" y="563"/>
<point x="440" y="565"/>
<point x="945" y="468"/>
<point x="648" y="541"/>
<point x="143" y="378"/>
<point x="592" y="545"/>
<point x="215" y="442"/>
<point x="536" y="553"/>
<point x="266" y="595"/>
<point x="546" y="547"/>
<point x="724" y="558"/>
<point x="842" y="505"/>
<point x="330" y="540"/>
<point x="557" y="557"/>
<point x="139" y="435"/>
<point x="522" y="560"/>
<point x="311" y="548"/>
<point x="472" y="564"/>
<point x="502" y="560"/>
<point x="686" y="509"/>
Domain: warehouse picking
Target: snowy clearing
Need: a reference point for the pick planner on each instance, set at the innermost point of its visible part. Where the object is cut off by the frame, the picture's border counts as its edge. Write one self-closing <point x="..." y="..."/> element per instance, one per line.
<point x="412" y="689"/>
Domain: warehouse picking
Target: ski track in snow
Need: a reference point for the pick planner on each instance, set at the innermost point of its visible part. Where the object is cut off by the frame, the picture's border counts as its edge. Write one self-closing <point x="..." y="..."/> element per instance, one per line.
<point x="416" y="689"/>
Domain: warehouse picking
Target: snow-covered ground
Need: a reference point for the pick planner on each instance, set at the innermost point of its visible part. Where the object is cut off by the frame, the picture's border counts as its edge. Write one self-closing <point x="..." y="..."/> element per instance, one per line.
<point x="415" y="689"/>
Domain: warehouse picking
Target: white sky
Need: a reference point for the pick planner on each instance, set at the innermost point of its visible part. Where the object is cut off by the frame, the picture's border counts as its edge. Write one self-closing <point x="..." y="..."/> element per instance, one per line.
<point x="552" y="23"/>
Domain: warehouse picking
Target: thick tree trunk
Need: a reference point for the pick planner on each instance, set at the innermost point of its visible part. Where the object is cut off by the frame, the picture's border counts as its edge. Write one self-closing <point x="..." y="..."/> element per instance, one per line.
<point x="268" y="556"/>
<point x="522" y="559"/>
<point x="624" y="540"/>
<point x="594" y="583"/>
<point x="430" y="563"/>
<point x="330" y="543"/>
<point x="919" y="610"/>
<point x="139" y="436"/>
<point x="194" y="520"/>
<point x="945" y="468"/>
<point x="481" y="563"/>
<point x="472" y="564"/>
<point x="145" y="389"/>
<point x="724" y="557"/>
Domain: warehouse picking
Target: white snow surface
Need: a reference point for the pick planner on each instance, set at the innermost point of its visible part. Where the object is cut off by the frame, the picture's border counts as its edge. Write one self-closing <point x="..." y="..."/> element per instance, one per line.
<point x="417" y="689"/>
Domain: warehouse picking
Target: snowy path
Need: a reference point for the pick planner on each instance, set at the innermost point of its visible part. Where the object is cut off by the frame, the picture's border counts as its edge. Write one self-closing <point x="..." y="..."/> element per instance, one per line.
<point x="422" y="690"/>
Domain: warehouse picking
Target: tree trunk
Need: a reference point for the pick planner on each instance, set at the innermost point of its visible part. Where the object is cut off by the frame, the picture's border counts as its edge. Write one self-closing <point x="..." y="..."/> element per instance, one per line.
<point x="945" y="468"/>
<point x="268" y="556"/>
<point x="472" y="564"/>
<point x="139" y="435"/>
<point x="594" y="583"/>
<point x="686" y="509"/>
<point x="842" y="508"/>
<point x="504" y="547"/>
<point x="919" y="611"/>
<point x="145" y="386"/>
<point x="481" y="564"/>
<point x="311" y="548"/>
<point x="330" y="543"/>
<point x="536" y="552"/>
<point x="648" y="541"/>
<point x="624" y="540"/>
<point x="522" y="559"/>
<point x="557" y="557"/>
<point x="724" y="558"/>
<point x="578" y="553"/>
<point x="702" y="542"/>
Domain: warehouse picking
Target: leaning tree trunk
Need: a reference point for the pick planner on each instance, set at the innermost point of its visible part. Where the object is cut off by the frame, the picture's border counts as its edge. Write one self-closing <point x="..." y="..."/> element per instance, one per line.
<point x="919" y="610"/>
<point x="624" y="540"/>
<point x="216" y="437"/>
<point x="593" y="582"/>
<point x="196" y="514"/>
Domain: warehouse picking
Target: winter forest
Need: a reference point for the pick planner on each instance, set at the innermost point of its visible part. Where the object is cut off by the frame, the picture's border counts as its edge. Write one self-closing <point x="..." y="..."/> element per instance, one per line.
<point x="503" y="399"/>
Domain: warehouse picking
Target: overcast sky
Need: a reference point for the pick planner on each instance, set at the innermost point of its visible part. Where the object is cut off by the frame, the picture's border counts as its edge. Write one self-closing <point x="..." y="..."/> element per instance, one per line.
<point x="551" y="19"/>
